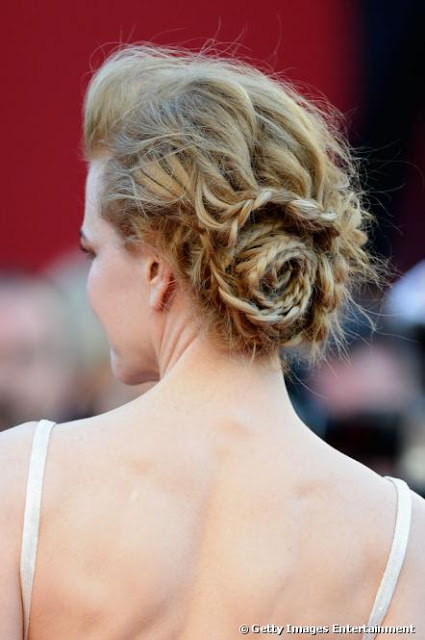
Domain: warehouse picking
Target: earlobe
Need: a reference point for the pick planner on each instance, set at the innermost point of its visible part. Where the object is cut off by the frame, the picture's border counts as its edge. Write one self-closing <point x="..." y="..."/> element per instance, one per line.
<point x="155" y="299"/>
<point x="152" y="298"/>
<point x="162" y="291"/>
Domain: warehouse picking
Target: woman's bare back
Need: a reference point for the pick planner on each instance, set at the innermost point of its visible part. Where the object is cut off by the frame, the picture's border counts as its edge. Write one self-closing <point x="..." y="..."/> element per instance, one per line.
<point x="151" y="529"/>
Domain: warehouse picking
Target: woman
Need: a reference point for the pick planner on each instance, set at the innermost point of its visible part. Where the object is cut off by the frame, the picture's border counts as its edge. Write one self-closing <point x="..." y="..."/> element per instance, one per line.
<point x="224" y="226"/>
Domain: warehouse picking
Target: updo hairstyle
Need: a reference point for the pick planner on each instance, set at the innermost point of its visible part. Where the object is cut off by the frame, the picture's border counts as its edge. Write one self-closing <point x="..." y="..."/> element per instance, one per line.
<point x="247" y="188"/>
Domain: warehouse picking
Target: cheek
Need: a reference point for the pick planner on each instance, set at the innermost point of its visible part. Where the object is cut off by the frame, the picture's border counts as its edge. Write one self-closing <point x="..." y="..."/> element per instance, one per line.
<point x="113" y="291"/>
<point x="94" y="288"/>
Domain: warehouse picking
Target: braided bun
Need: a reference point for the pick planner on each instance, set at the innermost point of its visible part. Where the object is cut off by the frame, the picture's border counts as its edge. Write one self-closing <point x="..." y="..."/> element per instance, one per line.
<point x="245" y="186"/>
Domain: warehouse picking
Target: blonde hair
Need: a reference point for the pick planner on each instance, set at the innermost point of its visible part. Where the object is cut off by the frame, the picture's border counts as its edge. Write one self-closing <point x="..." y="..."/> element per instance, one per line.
<point x="247" y="188"/>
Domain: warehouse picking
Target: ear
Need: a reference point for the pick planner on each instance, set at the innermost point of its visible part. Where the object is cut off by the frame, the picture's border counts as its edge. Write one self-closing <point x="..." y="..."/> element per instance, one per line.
<point x="161" y="283"/>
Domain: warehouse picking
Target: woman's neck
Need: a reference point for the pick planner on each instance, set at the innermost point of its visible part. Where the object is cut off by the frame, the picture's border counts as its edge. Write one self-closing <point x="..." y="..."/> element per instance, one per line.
<point x="210" y="382"/>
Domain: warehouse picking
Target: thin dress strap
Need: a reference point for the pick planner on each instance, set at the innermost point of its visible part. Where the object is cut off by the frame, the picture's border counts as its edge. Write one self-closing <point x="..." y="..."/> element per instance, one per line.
<point x="396" y="557"/>
<point x="31" y="524"/>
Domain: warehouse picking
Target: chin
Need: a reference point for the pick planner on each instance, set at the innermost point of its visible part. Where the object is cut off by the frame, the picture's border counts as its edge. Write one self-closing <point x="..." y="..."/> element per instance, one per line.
<point x="130" y="375"/>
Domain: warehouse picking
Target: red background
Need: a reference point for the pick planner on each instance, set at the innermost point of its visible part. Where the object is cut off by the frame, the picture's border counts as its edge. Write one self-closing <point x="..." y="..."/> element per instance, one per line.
<point x="49" y="48"/>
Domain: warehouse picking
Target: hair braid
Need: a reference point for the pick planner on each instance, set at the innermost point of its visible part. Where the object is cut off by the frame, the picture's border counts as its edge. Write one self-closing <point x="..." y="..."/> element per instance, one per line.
<point x="249" y="189"/>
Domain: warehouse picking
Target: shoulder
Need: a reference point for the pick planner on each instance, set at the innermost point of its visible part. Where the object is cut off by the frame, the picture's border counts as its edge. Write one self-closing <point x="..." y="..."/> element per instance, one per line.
<point x="413" y="568"/>
<point x="16" y="434"/>
<point x="414" y="563"/>
<point x="15" y="448"/>
<point x="415" y="551"/>
<point x="369" y="501"/>
<point x="409" y="595"/>
<point x="418" y="517"/>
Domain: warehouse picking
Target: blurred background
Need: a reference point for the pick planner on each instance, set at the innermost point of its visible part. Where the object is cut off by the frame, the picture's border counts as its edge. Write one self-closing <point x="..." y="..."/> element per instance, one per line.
<point x="362" y="55"/>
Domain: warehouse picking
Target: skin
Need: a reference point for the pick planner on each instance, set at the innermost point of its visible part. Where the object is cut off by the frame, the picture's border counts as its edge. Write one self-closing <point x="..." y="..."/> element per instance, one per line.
<point x="202" y="505"/>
